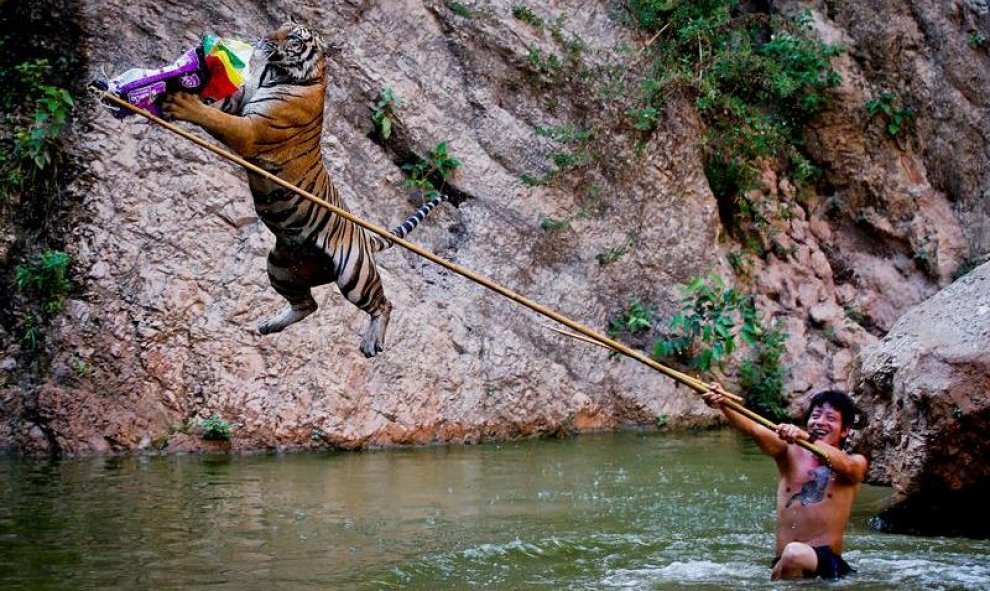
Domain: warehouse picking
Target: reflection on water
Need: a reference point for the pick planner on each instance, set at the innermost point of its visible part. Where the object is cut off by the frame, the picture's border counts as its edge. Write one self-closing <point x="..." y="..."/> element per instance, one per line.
<point x="625" y="511"/>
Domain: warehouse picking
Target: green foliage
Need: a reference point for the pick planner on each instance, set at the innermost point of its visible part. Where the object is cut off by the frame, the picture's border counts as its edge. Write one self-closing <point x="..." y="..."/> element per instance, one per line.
<point x="762" y="377"/>
<point x="965" y="268"/>
<point x="661" y="421"/>
<point x="36" y="113"/>
<point x="30" y="333"/>
<point x="572" y="45"/>
<point x="535" y="181"/>
<point x="644" y="119"/>
<point x="547" y="65"/>
<point x="79" y="365"/>
<point x="574" y="154"/>
<point x="758" y="80"/>
<point x="551" y="225"/>
<point x="459" y="9"/>
<point x="634" y="320"/>
<point x="613" y="254"/>
<point x="216" y="428"/>
<point x="45" y="278"/>
<point x="526" y="15"/>
<point x="35" y="142"/>
<point x="566" y="134"/>
<point x="437" y="167"/>
<point x="855" y="315"/>
<point x="383" y="113"/>
<point x="976" y="39"/>
<point x="712" y="316"/>
<point x="894" y="117"/>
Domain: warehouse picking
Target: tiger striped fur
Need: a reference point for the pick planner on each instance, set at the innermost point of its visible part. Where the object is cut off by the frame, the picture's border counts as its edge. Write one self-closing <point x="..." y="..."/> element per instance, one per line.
<point x="276" y="122"/>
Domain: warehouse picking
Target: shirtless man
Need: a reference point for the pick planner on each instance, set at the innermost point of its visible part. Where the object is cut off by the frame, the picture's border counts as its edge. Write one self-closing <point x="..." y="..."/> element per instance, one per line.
<point x="814" y="496"/>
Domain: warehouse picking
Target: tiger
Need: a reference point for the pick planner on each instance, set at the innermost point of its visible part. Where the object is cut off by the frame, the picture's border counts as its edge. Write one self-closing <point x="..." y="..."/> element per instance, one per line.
<point x="275" y="121"/>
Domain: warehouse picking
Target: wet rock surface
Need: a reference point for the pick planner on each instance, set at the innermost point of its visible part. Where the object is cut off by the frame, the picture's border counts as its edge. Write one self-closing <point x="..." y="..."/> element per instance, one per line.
<point x="923" y="390"/>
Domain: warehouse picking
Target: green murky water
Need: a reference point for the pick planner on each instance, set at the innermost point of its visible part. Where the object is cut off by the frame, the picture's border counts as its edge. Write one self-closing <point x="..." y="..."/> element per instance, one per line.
<point x="624" y="511"/>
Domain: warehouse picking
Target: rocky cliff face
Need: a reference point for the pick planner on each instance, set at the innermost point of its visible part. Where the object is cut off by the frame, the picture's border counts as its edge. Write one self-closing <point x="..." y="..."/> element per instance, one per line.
<point x="172" y="255"/>
<point x="923" y="390"/>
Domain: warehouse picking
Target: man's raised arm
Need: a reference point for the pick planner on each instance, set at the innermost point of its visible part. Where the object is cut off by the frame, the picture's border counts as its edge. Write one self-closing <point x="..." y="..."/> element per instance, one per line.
<point x="768" y="441"/>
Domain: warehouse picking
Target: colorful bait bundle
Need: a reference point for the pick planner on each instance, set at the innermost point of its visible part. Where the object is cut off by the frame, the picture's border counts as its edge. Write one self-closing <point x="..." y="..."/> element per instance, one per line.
<point x="215" y="69"/>
<point x="227" y="66"/>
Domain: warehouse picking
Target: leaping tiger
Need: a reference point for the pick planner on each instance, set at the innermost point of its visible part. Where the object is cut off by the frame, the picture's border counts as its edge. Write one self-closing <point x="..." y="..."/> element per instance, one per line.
<point x="276" y="122"/>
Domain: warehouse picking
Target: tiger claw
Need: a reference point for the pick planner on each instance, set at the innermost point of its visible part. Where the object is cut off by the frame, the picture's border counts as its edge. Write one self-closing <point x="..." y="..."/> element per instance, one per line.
<point x="370" y="349"/>
<point x="290" y="315"/>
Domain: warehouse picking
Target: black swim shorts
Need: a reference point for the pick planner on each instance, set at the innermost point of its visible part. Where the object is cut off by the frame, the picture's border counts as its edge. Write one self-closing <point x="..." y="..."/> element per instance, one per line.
<point x="830" y="564"/>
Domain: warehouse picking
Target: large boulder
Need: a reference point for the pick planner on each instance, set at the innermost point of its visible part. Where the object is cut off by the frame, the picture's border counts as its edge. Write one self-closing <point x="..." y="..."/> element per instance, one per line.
<point x="925" y="392"/>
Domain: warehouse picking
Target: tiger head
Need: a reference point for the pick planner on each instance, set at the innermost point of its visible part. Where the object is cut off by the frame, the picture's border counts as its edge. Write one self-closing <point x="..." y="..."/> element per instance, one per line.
<point x="297" y="52"/>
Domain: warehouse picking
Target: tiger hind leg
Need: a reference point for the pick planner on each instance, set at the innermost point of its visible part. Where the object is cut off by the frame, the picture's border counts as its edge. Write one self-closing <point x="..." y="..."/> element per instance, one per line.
<point x="291" y="274"/>
<point x="374" y="337"/>
<point x="301" y="305"/>
<point x="362" y="286"/>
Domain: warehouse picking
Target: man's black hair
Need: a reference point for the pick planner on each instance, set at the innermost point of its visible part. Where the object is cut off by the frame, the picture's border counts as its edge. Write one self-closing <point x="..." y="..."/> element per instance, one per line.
<point x="838" y="400"/>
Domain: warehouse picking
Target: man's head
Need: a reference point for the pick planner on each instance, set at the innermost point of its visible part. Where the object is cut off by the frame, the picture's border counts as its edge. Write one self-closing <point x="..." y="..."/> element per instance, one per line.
<point x="830" y="416"/>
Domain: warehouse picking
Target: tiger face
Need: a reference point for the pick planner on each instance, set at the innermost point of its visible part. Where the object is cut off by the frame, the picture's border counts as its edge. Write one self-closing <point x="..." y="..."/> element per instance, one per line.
<point x="297" y="52"/>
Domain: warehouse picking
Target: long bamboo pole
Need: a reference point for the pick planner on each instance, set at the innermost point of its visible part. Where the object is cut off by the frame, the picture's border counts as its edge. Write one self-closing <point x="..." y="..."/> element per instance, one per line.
<point x="732" y="401"/>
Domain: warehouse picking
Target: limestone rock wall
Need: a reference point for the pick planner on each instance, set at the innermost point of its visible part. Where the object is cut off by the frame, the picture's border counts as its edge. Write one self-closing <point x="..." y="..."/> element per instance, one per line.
<point x="172" y="256"/>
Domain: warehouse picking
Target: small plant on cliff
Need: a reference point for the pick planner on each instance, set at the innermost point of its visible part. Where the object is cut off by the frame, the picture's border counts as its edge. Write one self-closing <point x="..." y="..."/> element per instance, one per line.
<point x="526" y="15"/>
<point x="216" y="428"/>
<point x="711" y="317"/>
<point x="635" y="319"/>
<point x="427" y="173"/>
<point x="383" y="113"/>
<point x="894" y="117"/>
<point x="546" y="65"/>
<point x="45" y="278"/>
<point x="35" y="116"/>
<point x="610" y="255"/>
<point x="976" y="39"/>
<point x="552" y="225"/>
<point x="459" y="9"/>
<point x="762" y="376"/>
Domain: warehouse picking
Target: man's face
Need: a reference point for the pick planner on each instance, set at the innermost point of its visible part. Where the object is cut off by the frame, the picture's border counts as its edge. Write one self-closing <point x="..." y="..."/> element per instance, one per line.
<point x="825" y="424"/>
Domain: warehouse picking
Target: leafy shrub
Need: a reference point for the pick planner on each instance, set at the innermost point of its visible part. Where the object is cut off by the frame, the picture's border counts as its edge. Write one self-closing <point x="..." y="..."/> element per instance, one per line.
<point x="550" y="224"/>
<point x="44" y="282"/>
<point x="459" y="9"/>
<point x="636" y="319"/>
<point x="45" y="278"/>
<point x="216" y="428"/>
<point x="762" y="377"/>
<point x="712" y="316"/>
<point x="383" y="113"/>
<point x="436" y="168"/>
<point x="37" y="113"/>
<point x="610" y="255"/>
<point x="894" y="117"/>
<point x="526" y="15"/>
<point x="547" y="65"/>
<point x="758" y="80"/>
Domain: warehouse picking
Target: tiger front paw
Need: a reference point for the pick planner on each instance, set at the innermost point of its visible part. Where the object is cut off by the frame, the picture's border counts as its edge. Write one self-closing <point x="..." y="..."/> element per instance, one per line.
<point x="183" y="106"/>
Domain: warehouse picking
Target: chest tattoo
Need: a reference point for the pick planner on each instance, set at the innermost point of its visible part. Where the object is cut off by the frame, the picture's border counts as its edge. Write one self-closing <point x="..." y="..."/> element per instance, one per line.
<point x="812" y="491"/>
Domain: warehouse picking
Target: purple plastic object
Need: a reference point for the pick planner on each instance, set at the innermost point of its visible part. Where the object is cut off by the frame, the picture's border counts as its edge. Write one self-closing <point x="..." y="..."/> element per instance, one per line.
<point x="146" y="88"/>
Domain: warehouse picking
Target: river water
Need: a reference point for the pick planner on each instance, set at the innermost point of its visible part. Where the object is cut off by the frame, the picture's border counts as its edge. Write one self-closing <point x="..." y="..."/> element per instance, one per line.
<point x="619" y="511"/>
